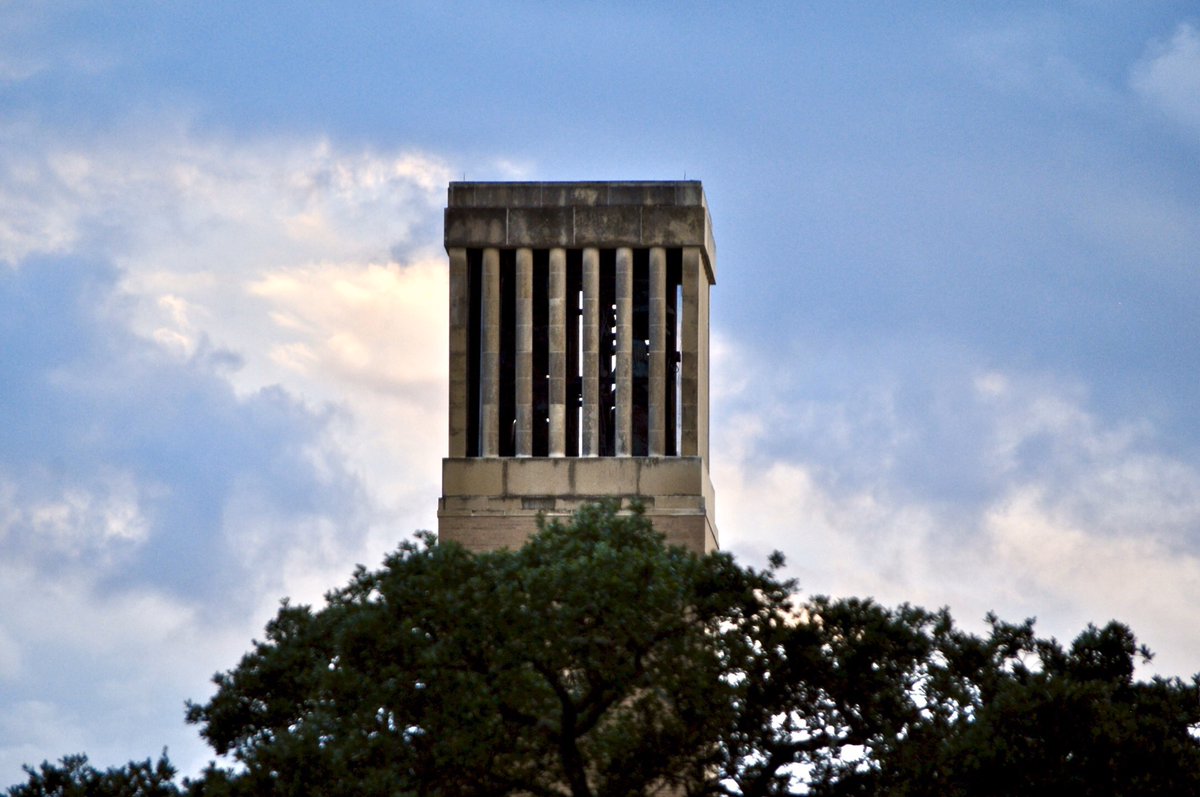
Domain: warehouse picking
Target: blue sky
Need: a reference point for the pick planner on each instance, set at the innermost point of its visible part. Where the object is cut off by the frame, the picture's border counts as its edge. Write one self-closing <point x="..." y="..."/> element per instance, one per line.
<point x="954" y="326"/>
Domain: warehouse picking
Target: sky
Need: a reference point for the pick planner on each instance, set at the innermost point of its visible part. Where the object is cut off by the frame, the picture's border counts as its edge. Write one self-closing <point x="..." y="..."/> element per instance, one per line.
<point x="954" y="327"/>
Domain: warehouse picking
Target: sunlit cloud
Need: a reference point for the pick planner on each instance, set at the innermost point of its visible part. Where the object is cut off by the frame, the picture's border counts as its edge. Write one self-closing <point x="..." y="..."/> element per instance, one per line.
<point x="293" y="263"/>
<point x="248" y="361"/>
<point x="377" y="326"/>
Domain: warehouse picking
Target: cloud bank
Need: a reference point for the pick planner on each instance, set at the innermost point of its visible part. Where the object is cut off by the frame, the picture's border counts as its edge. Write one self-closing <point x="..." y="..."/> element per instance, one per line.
<point x="219" y="387"/>
<point x="952" y="485"/>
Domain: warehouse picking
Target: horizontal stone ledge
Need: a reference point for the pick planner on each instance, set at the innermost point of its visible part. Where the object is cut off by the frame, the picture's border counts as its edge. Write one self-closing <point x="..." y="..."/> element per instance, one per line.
<point x="607" y="226"/>
<point x="587" y="194"/>
<point x="578" y="478"/>
<point x="485" y="506"/>
<point x="489" y="533"/>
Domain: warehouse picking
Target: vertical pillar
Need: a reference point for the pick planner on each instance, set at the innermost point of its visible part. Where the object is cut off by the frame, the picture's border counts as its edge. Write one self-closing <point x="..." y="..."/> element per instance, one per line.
<point x="591" y="352"/>
<point x="657" y="411"/>
<point x="523" y="370"/>
<point x="693" y="278"/>
<point x="624" y="299"/>
<point x="460" y="311"/>
<point x="702" y="297"/>
<point x="489" y="361"/>
<point x="557" y="359"/>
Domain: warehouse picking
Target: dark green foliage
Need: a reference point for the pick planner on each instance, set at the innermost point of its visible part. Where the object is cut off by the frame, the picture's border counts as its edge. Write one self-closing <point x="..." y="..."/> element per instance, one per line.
<point x="1013" y="714"/>
<point x="73" y="776"/>
<point x="588" y="661"/>
<point x="1077" y="723"/>
<point x="596" y="661"/>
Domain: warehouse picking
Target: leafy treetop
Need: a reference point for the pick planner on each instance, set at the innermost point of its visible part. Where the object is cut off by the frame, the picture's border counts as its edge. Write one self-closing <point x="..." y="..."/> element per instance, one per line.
<point x="596" y="661"/>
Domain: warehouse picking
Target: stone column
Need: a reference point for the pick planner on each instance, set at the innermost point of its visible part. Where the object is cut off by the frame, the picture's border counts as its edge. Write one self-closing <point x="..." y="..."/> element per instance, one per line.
<point x="702" y="296"/>
<point x="557" y="359"/>
<point x="624" y="298"/>
<point x="523" y="370"/>
<point x="489" y="360"/>
<point x="694" y="279"/>
<point x="460" y="359"/>
<point x="591" y="352"/>
<point x="657" y="411"/>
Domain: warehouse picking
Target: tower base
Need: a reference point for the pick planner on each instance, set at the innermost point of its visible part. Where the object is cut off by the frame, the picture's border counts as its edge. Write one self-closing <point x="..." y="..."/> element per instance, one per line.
<point x="491" y="503"/>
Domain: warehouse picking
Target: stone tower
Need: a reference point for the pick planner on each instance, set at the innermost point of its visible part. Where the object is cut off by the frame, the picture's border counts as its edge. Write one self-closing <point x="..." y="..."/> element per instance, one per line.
<point x="578" y="356"/>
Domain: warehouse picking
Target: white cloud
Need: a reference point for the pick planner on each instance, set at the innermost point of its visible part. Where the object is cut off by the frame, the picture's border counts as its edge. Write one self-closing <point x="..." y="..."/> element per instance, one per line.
<point x="165" y="202"/>
<point x="1074" y="518"/>
<point x="1168" y="76"/>
<point x="101" y="672"/>
<point x="377" y="326"/>
<point x="96" y="519"/>
<point x="282" y="256"/>
<point x="262" y="283"/>
<point x="1059" y="558"/>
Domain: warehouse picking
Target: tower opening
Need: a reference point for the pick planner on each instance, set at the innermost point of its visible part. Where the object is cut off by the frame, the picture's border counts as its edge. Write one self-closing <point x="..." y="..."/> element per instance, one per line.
<point x="506" y="396"/>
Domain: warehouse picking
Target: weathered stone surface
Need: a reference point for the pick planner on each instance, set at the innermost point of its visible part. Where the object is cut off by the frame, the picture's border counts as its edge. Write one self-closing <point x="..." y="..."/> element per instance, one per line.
<point x="482" y="494"/>
<point x="512" y="528"/>
<point x="507" y="531"/>
<point x="624" y="300"/>
<point x="493" y="501"/>
<point x="681" y="193"/>
<point x="472" y="476"/>
<point x="575" y="477"/>
<point x="460" y="305"/>
<point x="557" y="356"/>
<point x="591" y="352"/>
<point x="489" y="379"/>
<point x="670" y="476"/>
<point x="693" y="391"/>
<point x="656" y="419"/>
<point x="606" y="476"/>
<point x="540" y="226"/>
<point x="537" y="476"/>
<point x="480" y="227"/>
<point x="608" y="226"/>
<point x="524" y="341"/>
<point x="545" y="215"/>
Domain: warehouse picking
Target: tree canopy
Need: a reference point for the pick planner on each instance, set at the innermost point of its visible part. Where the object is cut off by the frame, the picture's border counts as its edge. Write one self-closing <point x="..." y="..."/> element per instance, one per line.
<point x="73" y="776"/>
<point x="595" y="660"/>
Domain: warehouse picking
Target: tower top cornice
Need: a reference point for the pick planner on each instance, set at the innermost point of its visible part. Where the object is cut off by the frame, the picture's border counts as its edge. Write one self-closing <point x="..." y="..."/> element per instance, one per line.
<point x="633" y="213"/>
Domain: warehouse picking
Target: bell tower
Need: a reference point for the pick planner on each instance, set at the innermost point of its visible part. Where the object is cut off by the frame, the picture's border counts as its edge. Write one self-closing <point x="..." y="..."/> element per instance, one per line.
<point x="578" y="356"/>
